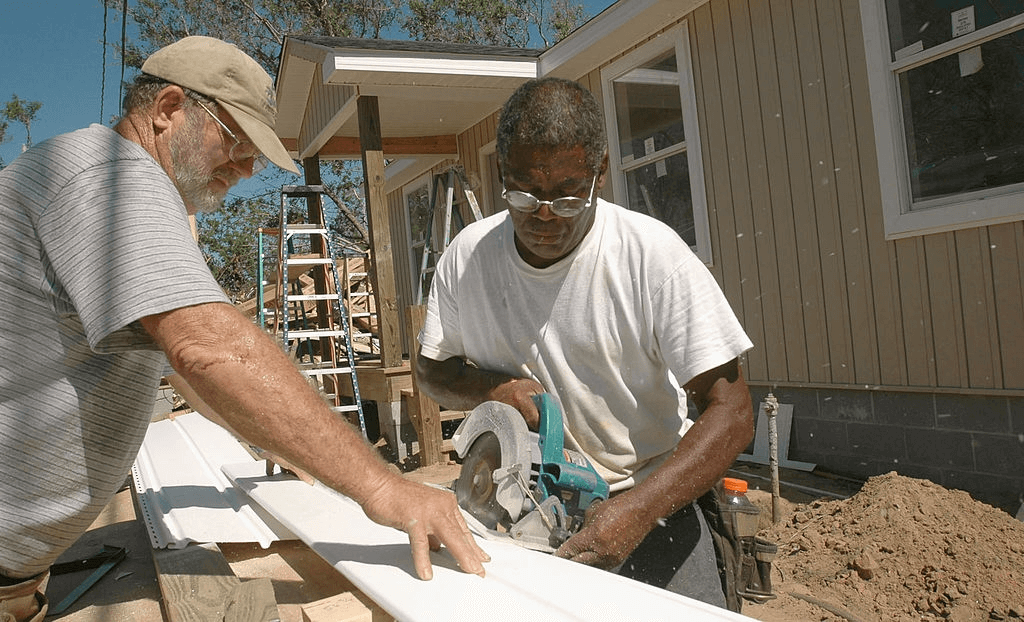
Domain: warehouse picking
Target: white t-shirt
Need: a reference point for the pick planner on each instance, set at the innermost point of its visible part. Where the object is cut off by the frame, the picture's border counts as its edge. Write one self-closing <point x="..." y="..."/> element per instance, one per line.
<point x="608" y="330"/>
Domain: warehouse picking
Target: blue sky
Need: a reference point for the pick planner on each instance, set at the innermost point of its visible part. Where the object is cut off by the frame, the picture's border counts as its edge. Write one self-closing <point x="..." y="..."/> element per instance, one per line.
<point x="51" y="51"/>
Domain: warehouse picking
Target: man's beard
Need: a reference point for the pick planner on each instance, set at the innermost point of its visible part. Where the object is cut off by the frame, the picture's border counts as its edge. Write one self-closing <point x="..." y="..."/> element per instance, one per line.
<point x="190" y="171"/>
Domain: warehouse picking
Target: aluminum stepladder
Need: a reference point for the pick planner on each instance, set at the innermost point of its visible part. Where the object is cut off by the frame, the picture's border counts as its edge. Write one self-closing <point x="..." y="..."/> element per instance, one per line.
<point x="443" y="184"/>
<point x="337" y="357"/>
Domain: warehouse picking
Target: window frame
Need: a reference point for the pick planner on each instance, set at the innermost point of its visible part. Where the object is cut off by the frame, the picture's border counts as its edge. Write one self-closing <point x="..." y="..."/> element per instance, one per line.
<point x="678" y="38"/>
<point x="967" y="210"/>
<point x="423" y="181"/>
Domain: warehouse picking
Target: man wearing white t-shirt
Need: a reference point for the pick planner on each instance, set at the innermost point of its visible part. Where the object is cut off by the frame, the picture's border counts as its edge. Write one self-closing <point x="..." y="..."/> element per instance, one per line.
<point x="611" y="312"/>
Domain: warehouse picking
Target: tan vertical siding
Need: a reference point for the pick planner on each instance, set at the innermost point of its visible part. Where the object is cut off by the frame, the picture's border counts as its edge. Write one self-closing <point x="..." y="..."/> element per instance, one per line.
<point x="797" y="227"/>
<point x="915" y="311"/>
<point x="947" y="323"/>
<point x="978" y="302"/>
<point x="1007" y="251"/>
<point x="716" y="163"/>
<point x="785" y="343"/>
<point x="881" y="256"/>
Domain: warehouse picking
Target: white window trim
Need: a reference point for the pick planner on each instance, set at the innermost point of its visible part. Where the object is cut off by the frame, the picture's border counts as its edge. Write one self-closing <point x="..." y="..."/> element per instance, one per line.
<point x="424" y="181"/>
<point x="678" y="38"/>
<point x="968" y="210"/>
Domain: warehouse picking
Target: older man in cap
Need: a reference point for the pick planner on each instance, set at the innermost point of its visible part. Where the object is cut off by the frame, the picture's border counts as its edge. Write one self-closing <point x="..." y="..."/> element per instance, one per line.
<point x="104" y="287"/>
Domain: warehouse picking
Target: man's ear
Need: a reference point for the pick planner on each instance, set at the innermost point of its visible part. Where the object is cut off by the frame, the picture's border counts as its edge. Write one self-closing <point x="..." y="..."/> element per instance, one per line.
<point x="602" y="171"/>
<point x="168" y="102"/>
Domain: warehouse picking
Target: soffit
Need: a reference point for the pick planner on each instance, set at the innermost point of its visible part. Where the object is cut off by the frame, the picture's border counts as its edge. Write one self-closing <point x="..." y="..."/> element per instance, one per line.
<point x="424" y="90"/>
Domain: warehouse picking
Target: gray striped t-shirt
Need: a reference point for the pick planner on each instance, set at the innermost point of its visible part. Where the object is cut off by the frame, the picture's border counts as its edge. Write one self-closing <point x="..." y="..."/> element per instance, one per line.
<point x="93" y="236"/>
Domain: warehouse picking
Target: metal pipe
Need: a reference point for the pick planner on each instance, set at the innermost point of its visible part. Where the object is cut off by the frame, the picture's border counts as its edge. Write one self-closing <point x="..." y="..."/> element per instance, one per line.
<point x="771" y="407"/>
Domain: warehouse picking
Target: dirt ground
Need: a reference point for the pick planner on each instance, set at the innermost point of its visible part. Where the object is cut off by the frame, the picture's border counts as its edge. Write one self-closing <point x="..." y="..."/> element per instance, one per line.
<point x="900" y="549"/>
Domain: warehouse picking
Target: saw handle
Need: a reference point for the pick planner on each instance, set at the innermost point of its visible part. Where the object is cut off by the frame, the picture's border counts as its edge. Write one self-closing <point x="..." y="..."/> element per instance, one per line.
<point x="567" y="474"/>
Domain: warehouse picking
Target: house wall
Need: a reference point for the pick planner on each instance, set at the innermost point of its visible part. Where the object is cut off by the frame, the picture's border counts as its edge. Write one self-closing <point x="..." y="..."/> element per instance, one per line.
<point x="903" y="355"/>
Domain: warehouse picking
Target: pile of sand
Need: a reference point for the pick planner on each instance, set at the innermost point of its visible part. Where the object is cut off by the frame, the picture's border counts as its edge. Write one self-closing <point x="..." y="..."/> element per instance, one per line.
<point x="900" y="549"/>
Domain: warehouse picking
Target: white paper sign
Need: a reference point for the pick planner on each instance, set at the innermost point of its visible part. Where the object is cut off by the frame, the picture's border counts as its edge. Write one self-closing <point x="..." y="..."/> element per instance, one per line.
<point x="660" y="168"/>
<point x="963" y="21"/>
<point x="649" y="145"/>
<point x="970" y="61"/>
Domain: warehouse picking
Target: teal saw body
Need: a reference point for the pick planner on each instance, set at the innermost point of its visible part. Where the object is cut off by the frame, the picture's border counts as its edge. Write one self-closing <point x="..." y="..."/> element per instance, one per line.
<point x="524" y="484"/>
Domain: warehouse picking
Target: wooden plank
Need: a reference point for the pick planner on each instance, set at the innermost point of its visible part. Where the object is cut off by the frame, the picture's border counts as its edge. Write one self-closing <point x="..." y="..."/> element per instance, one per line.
<point x="196" y="582"/>
<point x="351" y="147"/>
<point x="252" y="601"/>
<point x="945" y="314"/>
<point x="198" y="585"/>
<point x="428" y="419"/>
<point x="914" y="305"/>
<point x="344" y="607"/>
<point x="380" y="234"/>
<point x="716" y="162"/>
<point x="379" y="384"/>
<point x="784" y="332"/>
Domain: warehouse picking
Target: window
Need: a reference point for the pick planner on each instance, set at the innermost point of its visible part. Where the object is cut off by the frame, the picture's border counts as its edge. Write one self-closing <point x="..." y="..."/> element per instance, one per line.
<point x="417" y="213"/>
<point x="653" y="142"/>
<point x="947" y="82"/>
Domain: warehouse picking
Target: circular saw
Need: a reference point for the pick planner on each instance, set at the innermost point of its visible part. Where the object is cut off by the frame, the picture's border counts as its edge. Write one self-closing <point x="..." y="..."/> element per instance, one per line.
<point x="524" y="485"/>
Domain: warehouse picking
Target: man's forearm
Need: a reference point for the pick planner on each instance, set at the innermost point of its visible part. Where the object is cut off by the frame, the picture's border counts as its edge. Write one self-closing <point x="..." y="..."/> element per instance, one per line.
<point x="455" y="384"/>
<point x="245" y="378"/>
<point x="708" y="448"/>
<point x="700" y="459"/>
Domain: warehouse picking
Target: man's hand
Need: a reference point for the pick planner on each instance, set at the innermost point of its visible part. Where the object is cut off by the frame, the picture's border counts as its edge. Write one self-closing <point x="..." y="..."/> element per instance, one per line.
<point x="432" y="518"/>
<point x="518" y="393"/>
<point x="461" y="386"/>
<point x="612" y="530"/>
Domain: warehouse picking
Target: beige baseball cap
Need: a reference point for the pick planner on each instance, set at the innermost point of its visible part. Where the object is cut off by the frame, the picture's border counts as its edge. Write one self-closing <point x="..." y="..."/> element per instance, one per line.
<point x="234" y="80"/>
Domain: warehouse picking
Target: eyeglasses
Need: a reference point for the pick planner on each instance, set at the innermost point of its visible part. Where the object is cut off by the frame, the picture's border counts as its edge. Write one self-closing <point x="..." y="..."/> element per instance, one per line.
<point x="566" y="207"/>
<point x="241" y="151"/>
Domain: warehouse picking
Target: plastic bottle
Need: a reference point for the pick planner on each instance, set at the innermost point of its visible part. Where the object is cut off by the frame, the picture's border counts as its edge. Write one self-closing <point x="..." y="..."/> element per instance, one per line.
<point x="743" y="512"/>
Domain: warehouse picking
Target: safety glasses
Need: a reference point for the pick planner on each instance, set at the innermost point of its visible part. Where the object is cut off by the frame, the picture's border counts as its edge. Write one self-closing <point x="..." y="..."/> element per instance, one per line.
<point x="242" y="150"/>
<point x="566" y="207"/>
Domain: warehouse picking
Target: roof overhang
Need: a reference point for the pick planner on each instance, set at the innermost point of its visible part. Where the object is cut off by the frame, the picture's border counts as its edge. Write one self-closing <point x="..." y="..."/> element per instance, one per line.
<point x="615" y="30"/>
<point x="427" y="93"/>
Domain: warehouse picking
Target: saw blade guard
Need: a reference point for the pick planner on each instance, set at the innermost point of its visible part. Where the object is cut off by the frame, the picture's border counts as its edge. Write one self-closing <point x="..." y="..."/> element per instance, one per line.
<point x="519" y="450"/>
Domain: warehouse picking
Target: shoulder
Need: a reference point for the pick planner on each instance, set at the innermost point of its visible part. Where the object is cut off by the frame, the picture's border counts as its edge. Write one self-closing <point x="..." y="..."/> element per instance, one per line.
<point x="642" y="236"/>
<point x="92" y="153"/>
<point x="486" y="231"/>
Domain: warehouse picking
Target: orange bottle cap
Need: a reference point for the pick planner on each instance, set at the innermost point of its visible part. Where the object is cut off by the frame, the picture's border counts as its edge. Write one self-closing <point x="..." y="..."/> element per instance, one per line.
<point x="734" y="484"/>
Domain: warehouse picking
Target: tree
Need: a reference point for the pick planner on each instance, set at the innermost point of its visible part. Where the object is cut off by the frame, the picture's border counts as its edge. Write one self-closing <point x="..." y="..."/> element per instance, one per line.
<point x="22" y="111"/>
<point x="509" y="23"/>
<point x="259" y="27"/>
<point x="3" y="137"/>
